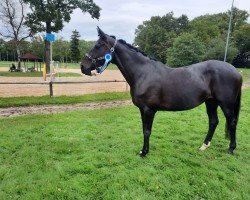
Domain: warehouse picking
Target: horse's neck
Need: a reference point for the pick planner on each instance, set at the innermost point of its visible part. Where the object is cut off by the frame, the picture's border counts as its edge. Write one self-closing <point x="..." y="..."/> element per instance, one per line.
<point x="129" y="63"/>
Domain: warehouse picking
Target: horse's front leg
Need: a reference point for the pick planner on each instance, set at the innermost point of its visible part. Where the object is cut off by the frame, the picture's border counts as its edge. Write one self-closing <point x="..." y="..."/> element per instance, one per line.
<point x="147" y="116"/>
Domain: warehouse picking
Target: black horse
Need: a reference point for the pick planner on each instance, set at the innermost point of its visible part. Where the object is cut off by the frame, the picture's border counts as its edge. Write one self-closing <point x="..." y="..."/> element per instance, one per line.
<point x="155" y="87"/>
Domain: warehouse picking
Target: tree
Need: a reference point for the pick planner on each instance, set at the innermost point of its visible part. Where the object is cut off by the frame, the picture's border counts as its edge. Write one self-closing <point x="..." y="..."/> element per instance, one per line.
<point x="156" y="35"/>
<point x="242" y="40"/>
<point x="37" y="46"/>
<point x="2" y="49"/>
<point x="74" y="46"/>
<point x="61" y="50"/>
<point x="49" y="16"/>
<point x="204" y="30"/>
<point x="216" y="50"/>
<point x="84" y="47"/>
<point x="221" y="20"/>
<point x="186" y="50"/>
<point x="12" y="16"/>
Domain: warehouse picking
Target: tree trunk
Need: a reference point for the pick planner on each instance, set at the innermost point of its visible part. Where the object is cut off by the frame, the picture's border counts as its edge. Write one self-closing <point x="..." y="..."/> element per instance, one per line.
<point x="18" y="57"/>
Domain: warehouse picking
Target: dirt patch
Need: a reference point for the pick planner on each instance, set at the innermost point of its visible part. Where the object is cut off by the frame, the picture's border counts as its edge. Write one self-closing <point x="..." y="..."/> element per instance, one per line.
<point x="48" y="109"/>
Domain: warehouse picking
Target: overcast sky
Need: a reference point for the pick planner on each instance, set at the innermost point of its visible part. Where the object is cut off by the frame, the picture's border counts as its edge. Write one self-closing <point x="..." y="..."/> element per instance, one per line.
<point x="121" y="17"/>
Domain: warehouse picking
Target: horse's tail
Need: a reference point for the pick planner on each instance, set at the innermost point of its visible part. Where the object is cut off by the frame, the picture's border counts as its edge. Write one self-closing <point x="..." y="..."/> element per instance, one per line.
<point x="237" y="107"/>
<point x="236" y="113"/>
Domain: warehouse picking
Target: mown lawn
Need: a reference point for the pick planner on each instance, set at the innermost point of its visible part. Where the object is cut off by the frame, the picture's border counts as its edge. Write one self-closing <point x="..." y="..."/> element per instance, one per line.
<point x="45" y="100"/>
<point x="93" y="155"/>
<point x="21" y="74"/>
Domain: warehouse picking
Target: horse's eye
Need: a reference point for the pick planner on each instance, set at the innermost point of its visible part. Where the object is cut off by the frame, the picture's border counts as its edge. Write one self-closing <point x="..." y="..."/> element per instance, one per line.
<point x="97" y="46"/>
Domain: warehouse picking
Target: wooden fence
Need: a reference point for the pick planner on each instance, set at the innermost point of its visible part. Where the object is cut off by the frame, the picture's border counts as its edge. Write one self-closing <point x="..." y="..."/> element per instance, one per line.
<point x="51" y="83"/>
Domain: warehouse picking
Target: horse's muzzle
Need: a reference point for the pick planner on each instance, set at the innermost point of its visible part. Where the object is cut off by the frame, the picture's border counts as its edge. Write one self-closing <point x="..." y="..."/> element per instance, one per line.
<point x="86" y="71"/>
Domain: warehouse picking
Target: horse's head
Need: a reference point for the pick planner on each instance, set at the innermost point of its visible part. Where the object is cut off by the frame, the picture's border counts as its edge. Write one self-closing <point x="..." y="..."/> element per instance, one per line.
<point x="99" y="57"/>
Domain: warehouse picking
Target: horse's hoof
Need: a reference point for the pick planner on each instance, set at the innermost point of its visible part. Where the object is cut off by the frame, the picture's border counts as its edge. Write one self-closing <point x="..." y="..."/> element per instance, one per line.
<point x="142" y="154"/>
<point x="230" y="151"/>
<point x="204" y="146"/>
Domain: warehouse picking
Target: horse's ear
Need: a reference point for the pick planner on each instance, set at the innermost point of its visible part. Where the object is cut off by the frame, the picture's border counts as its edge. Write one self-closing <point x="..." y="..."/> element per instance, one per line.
<point x="101" y="34"/>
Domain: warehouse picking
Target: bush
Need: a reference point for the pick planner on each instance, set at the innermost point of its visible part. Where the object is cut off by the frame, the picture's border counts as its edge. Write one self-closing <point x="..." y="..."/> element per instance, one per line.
<point x="186" y="50"/>
<point x="216" y="51"/>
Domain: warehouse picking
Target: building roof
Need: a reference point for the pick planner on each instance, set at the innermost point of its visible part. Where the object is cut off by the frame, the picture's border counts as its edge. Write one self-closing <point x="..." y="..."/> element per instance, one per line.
<point x="29" y="56"/>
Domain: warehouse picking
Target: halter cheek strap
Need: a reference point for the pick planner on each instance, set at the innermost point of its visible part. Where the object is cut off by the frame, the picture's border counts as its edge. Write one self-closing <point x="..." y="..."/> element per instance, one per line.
<point x="108" y="58"/>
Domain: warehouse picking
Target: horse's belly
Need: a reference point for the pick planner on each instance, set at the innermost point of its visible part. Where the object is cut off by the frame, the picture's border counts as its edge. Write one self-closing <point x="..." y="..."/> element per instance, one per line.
<point x="180" y="107"/>
<point x="184" y="102"/>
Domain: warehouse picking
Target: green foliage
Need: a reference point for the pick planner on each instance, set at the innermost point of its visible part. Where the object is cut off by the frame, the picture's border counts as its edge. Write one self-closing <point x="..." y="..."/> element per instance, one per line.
<point x="61" y="50"/>
<point x="92" y="154"/>
<point x="239" y="18"/>
<point x="186" y="50"/>
<point x="242" y="39"/>
<point x="216" y="50"/>
<point x="49" y="15"/>
<point x="37" y="47"/>
<point x="74" y="46"/>
<point x="204" y="30"/>
<point x="221" y="20"/>
<point x="157" y="34"/>
<point x="84" y="47"/>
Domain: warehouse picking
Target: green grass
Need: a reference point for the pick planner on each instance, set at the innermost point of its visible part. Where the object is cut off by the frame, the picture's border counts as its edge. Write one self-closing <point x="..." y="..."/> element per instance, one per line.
<point x="21" y="74"/>
<point x="7" y="63"/>
<point x="29" y="101"/>
<point x="92" y="155"/>
<point x="244" y="71"/>
<point x="68" y="74"/>
<point x="37" y="74"/>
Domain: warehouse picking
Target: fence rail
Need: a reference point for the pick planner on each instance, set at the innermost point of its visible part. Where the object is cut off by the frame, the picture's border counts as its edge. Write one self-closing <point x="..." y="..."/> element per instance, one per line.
<point x="50" y="83"/>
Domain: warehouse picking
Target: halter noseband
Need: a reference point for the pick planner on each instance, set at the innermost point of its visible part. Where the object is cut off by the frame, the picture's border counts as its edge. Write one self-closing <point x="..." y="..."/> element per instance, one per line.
<point x="107" y="57"/>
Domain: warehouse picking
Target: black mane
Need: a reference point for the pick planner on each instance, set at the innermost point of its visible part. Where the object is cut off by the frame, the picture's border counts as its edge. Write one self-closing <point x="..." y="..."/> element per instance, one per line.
<point x="136" y="49"/>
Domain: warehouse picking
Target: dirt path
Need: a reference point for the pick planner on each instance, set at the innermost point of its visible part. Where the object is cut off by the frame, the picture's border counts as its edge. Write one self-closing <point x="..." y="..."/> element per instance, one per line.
<point x="15" y="90"/>
<point x="48" y="109"/>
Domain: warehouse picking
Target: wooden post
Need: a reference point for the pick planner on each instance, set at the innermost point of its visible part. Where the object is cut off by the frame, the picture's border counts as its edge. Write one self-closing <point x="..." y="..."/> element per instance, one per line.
<point x="44" y="71"/>
<point x="51" y="89"/>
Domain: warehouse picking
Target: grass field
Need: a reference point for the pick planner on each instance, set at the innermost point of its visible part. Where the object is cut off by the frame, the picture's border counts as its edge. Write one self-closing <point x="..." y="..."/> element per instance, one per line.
<point x="45" y="100"/>
<point x="93" y="155"/>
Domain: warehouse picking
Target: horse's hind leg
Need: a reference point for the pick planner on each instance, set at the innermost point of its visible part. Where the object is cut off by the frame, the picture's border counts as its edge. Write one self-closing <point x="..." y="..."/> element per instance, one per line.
<point x="231" y="123"/>
<point x="211" y="106"/>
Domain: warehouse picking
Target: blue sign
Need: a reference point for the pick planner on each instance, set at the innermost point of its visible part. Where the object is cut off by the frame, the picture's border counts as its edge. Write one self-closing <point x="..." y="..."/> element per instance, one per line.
<point x="50" y="37"/>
